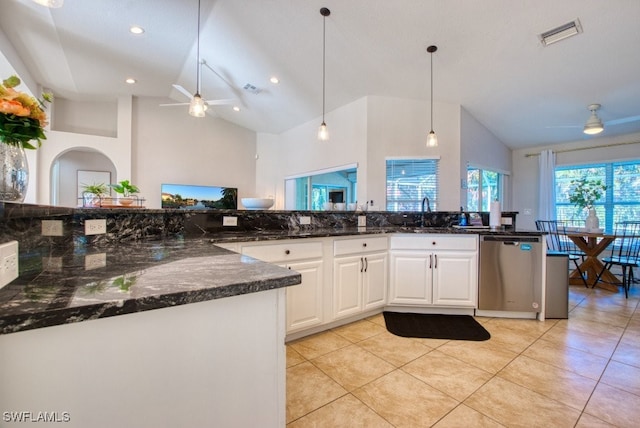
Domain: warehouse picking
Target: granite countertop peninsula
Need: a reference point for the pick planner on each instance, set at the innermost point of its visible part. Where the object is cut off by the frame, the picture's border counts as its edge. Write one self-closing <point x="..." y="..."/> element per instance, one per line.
<point x="65" y="285"/>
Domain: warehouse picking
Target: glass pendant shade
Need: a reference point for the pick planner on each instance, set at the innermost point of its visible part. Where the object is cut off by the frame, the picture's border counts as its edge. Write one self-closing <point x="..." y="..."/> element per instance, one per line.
<point x="432" y="139"/>
<point x="323" y="132"/>
<point x="197" y="107"/>
<point x="50" y="3"/>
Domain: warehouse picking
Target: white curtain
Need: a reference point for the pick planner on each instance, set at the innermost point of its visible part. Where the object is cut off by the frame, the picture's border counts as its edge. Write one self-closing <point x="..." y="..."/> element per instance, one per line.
<point x="547" y="185"/>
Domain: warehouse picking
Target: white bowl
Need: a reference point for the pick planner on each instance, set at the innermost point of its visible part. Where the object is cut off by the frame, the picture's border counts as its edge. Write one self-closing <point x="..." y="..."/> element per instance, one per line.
<point x="257" y="203"/>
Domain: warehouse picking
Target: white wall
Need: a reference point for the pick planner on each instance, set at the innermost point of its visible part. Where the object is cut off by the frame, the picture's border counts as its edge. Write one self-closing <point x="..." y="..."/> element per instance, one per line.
<point x="169" y="146"/>
<point x="480" y="148"/>
<point x="525" y="176"/>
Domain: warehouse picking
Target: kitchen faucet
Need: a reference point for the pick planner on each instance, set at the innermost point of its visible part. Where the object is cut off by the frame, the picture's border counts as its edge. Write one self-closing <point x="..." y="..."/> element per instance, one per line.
<point x="425" y="200"/>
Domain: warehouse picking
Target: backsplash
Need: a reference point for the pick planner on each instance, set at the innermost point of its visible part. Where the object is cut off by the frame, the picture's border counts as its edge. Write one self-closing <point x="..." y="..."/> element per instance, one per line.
<point x="23" y="222"/>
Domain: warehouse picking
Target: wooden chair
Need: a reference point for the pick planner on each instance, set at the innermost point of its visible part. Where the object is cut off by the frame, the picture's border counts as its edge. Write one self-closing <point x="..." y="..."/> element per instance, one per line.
<point x="625" y="253"/>
<point x="558" y="244"/>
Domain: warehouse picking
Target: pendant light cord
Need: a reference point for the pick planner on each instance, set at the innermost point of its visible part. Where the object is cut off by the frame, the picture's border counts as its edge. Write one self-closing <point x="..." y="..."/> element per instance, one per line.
<point x="324" y="42"/>
<point x="198" y="54"/>
<point x="431" y="91"/>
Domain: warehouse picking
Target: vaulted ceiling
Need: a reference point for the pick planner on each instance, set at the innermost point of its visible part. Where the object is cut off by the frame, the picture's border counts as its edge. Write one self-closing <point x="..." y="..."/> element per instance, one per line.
<point x="489" y="59"/>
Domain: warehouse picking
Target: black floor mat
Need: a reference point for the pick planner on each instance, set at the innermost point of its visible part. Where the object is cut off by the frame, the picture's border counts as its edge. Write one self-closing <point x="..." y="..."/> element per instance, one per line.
<point x="435" y="326"/>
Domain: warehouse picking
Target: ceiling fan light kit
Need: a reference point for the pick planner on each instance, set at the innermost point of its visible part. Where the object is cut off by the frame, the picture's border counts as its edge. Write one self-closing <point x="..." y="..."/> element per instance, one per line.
<point x="432" y="138"/>
<point x="594" y="124"/>
<point x="323" y="132"/>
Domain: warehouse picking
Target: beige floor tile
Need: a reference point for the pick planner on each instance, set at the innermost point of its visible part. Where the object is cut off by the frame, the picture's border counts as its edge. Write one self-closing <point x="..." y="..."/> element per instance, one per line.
<point x="628" y="351"/>
<point x="591" y="327"/>
<point x="614" y="406"/>
<point x="514" y="405"/>
<point x="347" y="411"/>
<point x="515" y="340"/>
<point x="596" y="343"/>
<point x="598" y="316"/>
<point x="359" y="330"/>
<point x="308" y="389"/>
<point x="394" y="349"/>
<point x="319" y="344"/>
<point x="405" y="401"/>
<point x="622" y="376"/>
<point x="624" y="309"/>
<point x="378" y="319"/>
<point x="588" y="421"/>
<point x="293" y="357"/>
<point x="447" y="374"/>
<point x="463" y="416"/>
<point x="352" y="366"/>
<point x="431" y="343"/>
<point x="564" y="386"/>
<point x="483" y="355"/>
<point x="567" y="358"/>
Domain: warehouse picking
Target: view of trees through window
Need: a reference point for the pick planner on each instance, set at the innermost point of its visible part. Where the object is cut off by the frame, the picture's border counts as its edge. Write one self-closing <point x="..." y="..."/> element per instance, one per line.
<point x="483" y="186"/>
<point x="620" y="202"/>
<point x="409" y="181"/>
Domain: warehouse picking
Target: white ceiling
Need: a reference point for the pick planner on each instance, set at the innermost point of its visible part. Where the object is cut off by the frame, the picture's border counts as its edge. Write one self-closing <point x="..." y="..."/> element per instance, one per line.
<point x="489" y="57"/>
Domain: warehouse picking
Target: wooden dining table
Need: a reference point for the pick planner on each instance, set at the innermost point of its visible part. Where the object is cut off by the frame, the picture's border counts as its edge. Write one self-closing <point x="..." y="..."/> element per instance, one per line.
<point x="593" y="244"/>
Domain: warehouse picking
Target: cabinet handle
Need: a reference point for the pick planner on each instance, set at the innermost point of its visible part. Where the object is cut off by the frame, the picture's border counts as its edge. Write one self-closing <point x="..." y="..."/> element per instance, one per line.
<point x="289" y="267"/>
<point x="287" y="252"/>
<point x="430" y="261"/>
<point x="364" y="244"/>
<point x="361" y="264"/>
<point x="366" y="264"/>
<point x="433" y="243"/>
<point x="435" y="256"/>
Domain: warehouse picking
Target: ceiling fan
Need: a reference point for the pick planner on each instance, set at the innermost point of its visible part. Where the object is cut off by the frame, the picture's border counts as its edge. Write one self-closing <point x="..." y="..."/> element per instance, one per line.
<point x="197" y="106"/>
<point x="594" y="124"/>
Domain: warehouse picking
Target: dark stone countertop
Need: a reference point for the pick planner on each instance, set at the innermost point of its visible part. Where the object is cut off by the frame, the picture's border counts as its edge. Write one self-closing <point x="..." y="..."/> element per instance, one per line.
<point x="59" y="286"/>
<point x="78" y="283"/>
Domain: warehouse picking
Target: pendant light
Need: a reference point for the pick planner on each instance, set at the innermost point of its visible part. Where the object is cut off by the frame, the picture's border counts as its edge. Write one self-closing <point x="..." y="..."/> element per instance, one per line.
<point x="323" y="132"/>
<point x="432" y="139"/>
<point x="53" y="4"/>
<point x="197" y="105"/>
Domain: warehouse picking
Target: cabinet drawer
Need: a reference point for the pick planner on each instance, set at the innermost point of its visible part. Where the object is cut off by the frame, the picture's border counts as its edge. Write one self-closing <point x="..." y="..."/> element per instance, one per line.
<point x="284" y="252"/>
<point x="434" y="242"/>
<point x="359" y="245"/>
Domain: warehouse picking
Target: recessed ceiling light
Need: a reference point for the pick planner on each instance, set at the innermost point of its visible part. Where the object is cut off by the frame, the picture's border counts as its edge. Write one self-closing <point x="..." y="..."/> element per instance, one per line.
<point x="134" y="29"/>
<point x="274" y="80"/>
<point x="236" y="108"/>
<point x="130" y="80"/>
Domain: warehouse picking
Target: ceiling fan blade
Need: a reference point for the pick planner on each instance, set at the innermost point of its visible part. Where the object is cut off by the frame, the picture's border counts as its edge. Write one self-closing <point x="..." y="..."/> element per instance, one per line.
<point x="563" y="126"/>
<point x="220" y="102"/>
<point x="622" y="120"/>
<point x="174" y="104"/>
<point x="182" y="91"/>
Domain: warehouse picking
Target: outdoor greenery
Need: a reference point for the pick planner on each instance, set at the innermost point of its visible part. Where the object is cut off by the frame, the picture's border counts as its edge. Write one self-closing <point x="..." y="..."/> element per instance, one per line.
<point x="585" y="193"/>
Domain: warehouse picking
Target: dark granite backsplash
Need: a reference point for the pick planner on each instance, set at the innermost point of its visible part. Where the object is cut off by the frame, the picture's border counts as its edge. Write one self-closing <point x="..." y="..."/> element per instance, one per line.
<point x="23" y="222"/>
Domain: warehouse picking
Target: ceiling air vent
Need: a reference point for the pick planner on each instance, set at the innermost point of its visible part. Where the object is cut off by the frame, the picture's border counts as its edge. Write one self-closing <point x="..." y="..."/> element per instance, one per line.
<point x="560" y="33"/>
<point x="250" y="88"/>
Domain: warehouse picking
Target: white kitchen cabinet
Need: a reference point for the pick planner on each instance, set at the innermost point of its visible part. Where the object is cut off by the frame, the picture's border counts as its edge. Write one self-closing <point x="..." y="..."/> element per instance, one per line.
<point x="360" y="271"/>
<point x="434" y="270"/>
<point x="304" y="301"/>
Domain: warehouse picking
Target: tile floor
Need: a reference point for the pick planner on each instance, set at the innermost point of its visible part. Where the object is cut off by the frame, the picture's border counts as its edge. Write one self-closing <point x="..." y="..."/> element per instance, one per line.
<point x="580" y="372"/>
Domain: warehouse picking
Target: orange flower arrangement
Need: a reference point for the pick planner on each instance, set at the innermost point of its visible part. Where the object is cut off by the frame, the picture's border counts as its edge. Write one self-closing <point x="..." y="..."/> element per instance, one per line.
<point x="22" y="117"/>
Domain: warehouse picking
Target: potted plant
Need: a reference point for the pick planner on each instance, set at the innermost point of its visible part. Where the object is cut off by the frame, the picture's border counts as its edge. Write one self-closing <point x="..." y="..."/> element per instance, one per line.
<point x="126" y="189"/>
<point x="584" y="194"/>
<point x="93" y="195"/>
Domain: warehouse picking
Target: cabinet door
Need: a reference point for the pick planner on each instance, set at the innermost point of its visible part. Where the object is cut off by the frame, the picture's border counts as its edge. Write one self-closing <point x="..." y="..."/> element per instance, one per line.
<point x="374" y="281"/>
<point x="304" y="301"/>
<point x="410" y="279"/>
<point x="347" y="286"/>
<point x="455" y="278"/>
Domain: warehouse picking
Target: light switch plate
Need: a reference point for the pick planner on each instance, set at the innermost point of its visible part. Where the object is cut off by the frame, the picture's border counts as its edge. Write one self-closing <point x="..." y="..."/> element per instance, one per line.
<point x="362" y="220"/>
<point x="95" y="227"/>
<point x="95" y="261"/>
<point x="305" y="219"/>
<point x="52" y="228"/>
<point x="229" y="221"/>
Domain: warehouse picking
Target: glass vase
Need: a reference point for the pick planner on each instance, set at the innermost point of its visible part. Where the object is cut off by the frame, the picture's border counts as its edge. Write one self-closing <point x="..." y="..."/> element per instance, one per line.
<point x="14" y="176"/>
<point x="592" y="223"/>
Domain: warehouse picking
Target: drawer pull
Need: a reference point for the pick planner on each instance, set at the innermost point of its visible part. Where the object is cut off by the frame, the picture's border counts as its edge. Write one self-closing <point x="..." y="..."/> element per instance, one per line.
<point x="287" y="252"/>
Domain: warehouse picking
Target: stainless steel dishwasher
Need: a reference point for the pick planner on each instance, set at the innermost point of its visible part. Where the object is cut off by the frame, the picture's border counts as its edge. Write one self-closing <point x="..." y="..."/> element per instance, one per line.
<point x="510" y="273"/>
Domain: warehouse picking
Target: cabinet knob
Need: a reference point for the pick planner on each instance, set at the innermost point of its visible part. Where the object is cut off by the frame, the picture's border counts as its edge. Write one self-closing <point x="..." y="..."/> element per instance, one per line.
<point x="364" y="244"/>
<point x="433" y="243"/>
<point x="287" y="252"/>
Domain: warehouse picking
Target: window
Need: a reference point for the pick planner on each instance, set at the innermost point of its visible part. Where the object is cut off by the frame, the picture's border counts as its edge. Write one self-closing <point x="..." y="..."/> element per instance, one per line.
<point x="483" y="186"/>
<point x="409" y="181"/>
<point x="621" y="201"/>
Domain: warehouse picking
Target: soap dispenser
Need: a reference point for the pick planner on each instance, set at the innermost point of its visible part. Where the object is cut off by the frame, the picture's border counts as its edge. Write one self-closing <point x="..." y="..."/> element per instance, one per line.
<point x="463" y="218"/>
